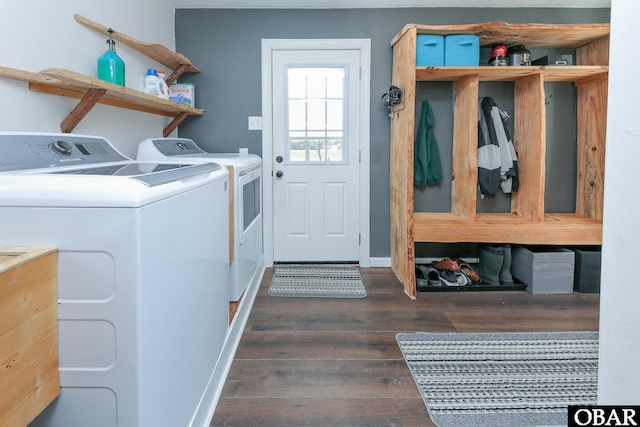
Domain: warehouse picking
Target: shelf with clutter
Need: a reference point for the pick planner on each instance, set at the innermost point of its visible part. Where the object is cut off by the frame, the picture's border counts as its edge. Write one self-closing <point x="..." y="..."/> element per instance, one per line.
<point x="91" y="90"/>
<point x="174" y="61"/>
<point x="527" y="222"/>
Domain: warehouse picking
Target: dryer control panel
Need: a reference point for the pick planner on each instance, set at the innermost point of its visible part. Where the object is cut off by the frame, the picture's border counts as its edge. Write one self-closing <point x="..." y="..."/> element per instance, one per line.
<point x="27" y="151"/>
<point x="176" y="146"/>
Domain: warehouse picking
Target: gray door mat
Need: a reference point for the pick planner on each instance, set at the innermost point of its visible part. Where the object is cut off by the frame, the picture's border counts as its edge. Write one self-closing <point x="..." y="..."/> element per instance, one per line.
<point x="502" y="379"/>
<point x="320" y="281"/>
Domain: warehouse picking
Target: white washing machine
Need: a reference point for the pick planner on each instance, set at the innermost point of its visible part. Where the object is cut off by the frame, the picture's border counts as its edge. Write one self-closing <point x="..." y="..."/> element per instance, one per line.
<point x="142" y="274"/>
<point x="246" y="169"/>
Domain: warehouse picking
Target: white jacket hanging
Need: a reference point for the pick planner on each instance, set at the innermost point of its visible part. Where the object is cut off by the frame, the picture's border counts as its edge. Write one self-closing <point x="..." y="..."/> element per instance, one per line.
<point x="497" y="160"/>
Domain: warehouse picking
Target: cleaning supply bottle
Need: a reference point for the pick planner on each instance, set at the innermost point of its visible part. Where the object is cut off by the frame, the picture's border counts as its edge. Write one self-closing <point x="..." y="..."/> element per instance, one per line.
<point x="110" y="66"/>
<point x="154" y="85"/>
<point x="164" y="89"/>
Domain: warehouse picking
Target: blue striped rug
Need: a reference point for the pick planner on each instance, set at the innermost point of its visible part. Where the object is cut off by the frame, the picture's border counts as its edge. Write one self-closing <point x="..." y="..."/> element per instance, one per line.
<point x="502" y="379"/>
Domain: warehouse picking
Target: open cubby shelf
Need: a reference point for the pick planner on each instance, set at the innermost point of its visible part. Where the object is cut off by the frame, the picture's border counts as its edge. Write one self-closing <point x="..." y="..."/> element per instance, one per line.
<point x="527" y="222"/>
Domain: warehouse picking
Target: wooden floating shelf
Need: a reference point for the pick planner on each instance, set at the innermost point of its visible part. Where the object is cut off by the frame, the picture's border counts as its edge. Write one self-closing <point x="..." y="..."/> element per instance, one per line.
<point x="556" y="229"/>
<point x="91" y="90"/>
<point x="119" y="95"/>
<point x="570" y="73"/>
<point x="534" y="35"/>
<point x="159" y="53"/>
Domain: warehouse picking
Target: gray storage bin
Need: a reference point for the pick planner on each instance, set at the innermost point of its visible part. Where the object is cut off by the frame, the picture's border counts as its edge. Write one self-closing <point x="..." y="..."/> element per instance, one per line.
<point x="544" y="269"/>
<point x="587" y="272"/>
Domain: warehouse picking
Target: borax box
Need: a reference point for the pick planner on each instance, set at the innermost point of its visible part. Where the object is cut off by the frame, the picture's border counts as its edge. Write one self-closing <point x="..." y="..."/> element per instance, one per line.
<point x="183" y="93"/>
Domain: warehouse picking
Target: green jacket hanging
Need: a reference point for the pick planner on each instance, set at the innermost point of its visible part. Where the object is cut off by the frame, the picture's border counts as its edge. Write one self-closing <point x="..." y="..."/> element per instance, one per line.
<point x="427" y="169"/>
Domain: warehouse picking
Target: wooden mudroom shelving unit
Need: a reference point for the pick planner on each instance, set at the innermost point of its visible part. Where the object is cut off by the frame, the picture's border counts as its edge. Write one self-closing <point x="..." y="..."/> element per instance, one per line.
<point x="528" y="222"/>
<point x="91" y="90"/>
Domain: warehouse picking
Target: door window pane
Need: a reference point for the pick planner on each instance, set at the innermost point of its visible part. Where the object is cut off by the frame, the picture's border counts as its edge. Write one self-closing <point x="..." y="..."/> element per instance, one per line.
<point x="316" y="114"/>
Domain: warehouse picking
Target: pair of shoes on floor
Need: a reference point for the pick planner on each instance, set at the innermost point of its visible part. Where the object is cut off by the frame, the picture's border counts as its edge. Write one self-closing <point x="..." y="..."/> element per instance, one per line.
<point x="427" y="276"/>
<point x="458" y="265"/>
<point x="447" y="272"/>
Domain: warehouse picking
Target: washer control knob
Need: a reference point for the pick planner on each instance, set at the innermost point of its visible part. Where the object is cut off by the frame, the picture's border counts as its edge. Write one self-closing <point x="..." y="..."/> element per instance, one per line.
<point x="279" y="174"/>
<point x="61" y="147"/>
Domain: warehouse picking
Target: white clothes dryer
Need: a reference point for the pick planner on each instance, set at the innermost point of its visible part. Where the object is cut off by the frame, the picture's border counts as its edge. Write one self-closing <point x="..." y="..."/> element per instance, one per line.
<point x="143" y="306"/>
<point x="246" y="251"/>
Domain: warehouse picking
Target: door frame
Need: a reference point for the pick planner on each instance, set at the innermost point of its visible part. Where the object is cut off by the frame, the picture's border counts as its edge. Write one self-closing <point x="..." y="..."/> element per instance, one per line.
<point x="270" y="45"/>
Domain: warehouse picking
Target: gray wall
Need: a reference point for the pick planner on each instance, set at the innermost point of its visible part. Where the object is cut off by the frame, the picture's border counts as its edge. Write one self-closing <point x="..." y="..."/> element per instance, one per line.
<point x="225" y="45"/>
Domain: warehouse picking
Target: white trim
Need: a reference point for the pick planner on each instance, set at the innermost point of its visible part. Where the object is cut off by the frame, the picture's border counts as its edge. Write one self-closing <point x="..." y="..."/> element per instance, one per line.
<point x="268" y="46"/>
<point x="380" y="262"/>
<point x="207" y="406"/>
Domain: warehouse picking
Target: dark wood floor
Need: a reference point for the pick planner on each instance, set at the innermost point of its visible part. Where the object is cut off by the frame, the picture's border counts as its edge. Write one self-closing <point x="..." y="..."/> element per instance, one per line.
<point x="335" y="362"/>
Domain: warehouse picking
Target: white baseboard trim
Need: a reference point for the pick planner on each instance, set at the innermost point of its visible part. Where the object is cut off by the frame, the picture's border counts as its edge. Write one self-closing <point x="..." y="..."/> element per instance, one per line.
<point x="207" y="406"/>
<point x="380" y="262"/>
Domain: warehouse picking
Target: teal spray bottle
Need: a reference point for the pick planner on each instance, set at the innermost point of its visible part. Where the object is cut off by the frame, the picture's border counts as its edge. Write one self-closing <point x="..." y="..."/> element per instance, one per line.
<point x="110" y="66"/>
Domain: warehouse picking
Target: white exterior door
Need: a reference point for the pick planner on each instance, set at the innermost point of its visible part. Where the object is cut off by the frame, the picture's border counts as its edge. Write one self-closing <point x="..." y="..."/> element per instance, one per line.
<point x="316" y="155"/>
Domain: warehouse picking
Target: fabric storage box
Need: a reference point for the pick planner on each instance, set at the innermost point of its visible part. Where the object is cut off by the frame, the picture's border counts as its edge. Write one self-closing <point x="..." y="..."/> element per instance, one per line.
<point x="429" y="50"/>
<point x="462" y="50"/>
<point x="587" y="270"/>
<point x="544" y="269"/>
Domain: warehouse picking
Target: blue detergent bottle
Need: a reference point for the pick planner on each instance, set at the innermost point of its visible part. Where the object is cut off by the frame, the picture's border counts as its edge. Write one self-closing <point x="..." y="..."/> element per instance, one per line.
<point x="110" y="66"/>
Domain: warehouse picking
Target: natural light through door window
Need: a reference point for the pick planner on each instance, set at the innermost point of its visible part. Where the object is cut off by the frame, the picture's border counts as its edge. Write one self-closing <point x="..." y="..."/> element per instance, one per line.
<point x="316" y="115"/>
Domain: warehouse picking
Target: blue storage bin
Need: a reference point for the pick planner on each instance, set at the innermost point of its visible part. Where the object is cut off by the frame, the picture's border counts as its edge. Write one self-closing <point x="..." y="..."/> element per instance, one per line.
<point x="429" y="50"/>
<point x="462" y="50"/>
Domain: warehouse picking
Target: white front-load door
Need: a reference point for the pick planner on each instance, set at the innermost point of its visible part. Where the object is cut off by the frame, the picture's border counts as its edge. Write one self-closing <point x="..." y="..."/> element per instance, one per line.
<point x="316" y="154"/>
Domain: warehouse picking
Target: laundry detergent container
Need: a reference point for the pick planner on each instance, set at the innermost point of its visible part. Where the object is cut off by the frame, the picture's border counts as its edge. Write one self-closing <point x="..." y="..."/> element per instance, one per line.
<point x="429" y="50"/>
<point x="462" y="50"/>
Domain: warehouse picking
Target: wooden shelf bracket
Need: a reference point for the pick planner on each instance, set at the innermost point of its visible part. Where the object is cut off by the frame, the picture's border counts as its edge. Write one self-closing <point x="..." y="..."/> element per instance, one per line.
<point x="174" y="124"/>
<point x="85" y="105"/>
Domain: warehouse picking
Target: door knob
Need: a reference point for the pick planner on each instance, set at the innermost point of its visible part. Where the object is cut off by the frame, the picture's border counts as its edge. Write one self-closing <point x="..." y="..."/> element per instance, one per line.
<point x="279" y="174"/>
<point x="279" y="159"/>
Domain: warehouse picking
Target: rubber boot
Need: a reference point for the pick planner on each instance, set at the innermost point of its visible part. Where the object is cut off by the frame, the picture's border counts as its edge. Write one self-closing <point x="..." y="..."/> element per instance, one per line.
<point x="491" y="258"/>
<point x="506" y="279"/>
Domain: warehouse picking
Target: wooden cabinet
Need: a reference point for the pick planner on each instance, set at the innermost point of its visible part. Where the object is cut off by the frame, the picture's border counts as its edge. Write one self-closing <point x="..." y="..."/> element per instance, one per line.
<point x="91" y="90"/>
<point x="528" y="222"/>
<point x="28" y="332"/>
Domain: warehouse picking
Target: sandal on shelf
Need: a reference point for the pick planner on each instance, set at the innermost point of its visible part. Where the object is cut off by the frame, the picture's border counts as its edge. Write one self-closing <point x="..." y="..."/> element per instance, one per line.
<point x="449" y="278"/>
<point x="427" y="276"/>
<point x="463" y="279"/>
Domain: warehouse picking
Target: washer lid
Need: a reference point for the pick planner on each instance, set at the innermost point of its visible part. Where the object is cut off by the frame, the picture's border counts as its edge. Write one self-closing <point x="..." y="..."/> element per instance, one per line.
<point x="149" y="173"/>
<point x="106" y="186"/>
